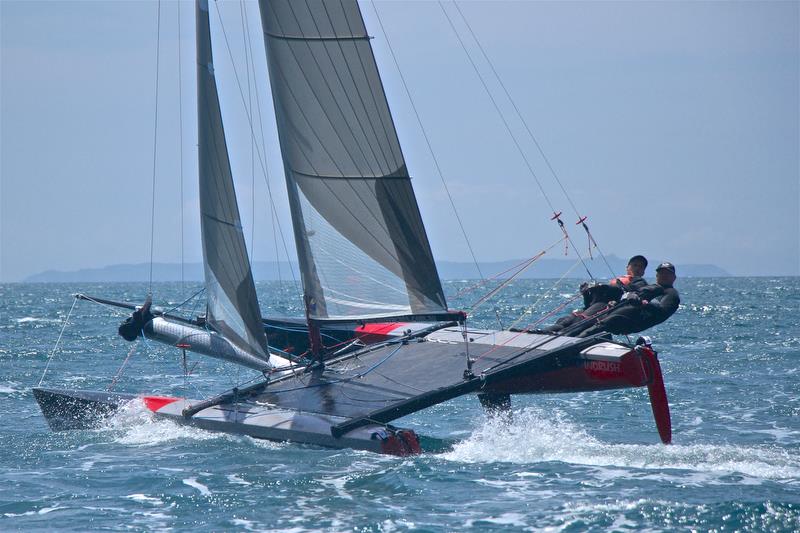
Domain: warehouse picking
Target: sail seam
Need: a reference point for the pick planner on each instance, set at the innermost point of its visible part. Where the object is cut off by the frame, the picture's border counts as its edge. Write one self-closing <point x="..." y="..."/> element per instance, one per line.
<point x="319" y="100"/>
<point x="386" y="130"/>
<point x="346" y="94"/>
<point x="315" y="38"/>
<point x="330" y="122"/>
<point x="238" y="227"/>
<point x="358" y="90"/>
<point x="329" y="177"/>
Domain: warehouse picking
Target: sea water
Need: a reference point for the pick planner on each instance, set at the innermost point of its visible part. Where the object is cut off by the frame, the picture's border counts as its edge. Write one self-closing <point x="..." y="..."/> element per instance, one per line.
<point x="574" y="462"/>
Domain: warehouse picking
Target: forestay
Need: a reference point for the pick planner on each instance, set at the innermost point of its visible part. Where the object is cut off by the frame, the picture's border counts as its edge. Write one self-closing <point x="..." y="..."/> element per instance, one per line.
<point x="232" y="303"/>
<point x="362" y="246"/>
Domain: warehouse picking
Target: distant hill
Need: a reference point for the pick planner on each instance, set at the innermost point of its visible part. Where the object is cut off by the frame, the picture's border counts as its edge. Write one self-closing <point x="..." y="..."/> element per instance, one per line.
<point x="273" y="270"/>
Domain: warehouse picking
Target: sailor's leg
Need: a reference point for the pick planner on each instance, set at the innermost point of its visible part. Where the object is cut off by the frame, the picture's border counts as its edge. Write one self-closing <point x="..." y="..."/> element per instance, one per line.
<point x="620" y="322"/>
<point x="495" y="404"/>
<point x="562" y="323"/>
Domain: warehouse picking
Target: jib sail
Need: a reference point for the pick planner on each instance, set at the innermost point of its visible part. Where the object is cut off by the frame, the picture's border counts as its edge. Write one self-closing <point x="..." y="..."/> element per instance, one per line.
<point x="232" y="303"/>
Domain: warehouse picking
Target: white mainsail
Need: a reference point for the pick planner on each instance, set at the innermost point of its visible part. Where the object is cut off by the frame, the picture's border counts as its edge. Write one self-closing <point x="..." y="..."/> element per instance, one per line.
<point x="361" y="243"/>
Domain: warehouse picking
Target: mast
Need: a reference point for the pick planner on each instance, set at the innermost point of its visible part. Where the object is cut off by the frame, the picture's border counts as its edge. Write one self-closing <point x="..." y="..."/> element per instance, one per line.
<point x="233" y="309"/>
<point x="361" y="243"/>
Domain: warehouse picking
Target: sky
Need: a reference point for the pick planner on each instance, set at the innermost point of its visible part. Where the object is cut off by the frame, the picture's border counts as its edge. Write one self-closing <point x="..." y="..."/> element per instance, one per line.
<point x="674" y="126"/>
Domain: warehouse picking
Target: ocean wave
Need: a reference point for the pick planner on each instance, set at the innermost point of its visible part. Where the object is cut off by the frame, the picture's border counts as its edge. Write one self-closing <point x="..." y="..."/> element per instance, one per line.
<point x="137" y="426"/>
<point x="536" y="436"/>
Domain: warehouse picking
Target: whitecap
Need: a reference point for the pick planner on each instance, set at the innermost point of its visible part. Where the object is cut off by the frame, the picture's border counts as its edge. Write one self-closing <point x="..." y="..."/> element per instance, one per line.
<point x="505" y="519"/>
<point x="338" y="484"/>
<point x="144" y="499"/>
<point x="192" y="482"/>
<point x="247" y="525"/>
<point x="29" y="319"/>
<point x="536" y="436"/>
<point x="139" y="427"/>
<point x="236" y="480"/>
<point x="48" y="510"/>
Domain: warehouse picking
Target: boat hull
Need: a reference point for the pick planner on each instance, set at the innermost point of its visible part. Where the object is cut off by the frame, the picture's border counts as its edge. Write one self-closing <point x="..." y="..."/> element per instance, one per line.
<point x="601" y="367"/>
<point x="72" y="410"/>
<point x="333" y="411"/>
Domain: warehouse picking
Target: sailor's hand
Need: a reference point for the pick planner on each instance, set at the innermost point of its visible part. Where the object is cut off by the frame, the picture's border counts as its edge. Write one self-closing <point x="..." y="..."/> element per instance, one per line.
<point x="612" y="303"/>
<point x="633" y="298"/>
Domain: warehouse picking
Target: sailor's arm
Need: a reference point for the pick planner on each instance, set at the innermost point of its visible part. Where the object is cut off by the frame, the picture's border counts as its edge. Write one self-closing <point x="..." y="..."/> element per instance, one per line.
<point x="663" y="306"/>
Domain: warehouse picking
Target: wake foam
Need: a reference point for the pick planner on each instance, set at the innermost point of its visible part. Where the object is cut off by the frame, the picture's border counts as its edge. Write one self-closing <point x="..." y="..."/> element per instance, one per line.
<point x="535" y="436"/>
<point x="137" y="426"/>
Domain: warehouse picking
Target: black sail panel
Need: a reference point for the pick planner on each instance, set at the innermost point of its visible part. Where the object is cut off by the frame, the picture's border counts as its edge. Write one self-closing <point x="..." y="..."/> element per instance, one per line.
<point x="232" y="303"/>
<point x="361" y="241"/>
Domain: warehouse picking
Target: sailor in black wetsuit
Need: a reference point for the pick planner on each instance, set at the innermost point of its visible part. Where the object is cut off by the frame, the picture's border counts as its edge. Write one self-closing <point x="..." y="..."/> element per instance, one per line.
<point x="644" y="309"/>
<point x="597" y="297"/>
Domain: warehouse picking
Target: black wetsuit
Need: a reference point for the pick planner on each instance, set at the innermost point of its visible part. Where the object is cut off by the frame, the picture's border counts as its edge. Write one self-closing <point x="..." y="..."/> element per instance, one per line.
<point x="595" y="300"/>
<point x="635" y="316"/>
<point x="606" y="292"/>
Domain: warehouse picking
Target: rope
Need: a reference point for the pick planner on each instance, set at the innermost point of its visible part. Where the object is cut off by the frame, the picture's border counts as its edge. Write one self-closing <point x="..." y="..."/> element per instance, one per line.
<point x="507" y="281"/>
<point x="430" y="149"/>
<point x="58" y="340"/>
<point x="545" y="293"/>
<point x="155" y="145"/>
<point x="536" y="303"/>
<point x="523" y="264"/>
<point x="124" y="363"/>
<point x="343" y="380"/>
<point x="187" y="300"/>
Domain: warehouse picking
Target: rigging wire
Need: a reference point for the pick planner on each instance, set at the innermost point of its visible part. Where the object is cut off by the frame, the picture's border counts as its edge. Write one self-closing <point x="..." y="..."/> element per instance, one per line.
<point x="274" y="219"/>
<point x="530" y="309"/>
<point x="543" y="296"/>
<point x="511" y="278"/>
<point x="124" y="364"/>
<point x="433" y="154"/>
<point x="514" y="139"/>
<point x="261" y="159"/>
<point x="249" y="110"/>
<point x="155" y="144"/>
<point x="180" y="145"/>
<point x="58" y="340"/>
<point x="187" y="300"/>
<point x="273" y="213"/>
<point x="581" y="219"/>
<point x="521" y="264"/>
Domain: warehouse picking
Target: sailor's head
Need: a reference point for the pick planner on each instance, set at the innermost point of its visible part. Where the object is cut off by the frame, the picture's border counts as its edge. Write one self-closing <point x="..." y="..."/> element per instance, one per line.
<point x="665" y="273"/>
<point x="636" y="265"/>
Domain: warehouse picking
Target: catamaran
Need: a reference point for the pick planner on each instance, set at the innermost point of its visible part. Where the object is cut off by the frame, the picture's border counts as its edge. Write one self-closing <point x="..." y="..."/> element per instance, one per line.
<point x="364" y="259"/>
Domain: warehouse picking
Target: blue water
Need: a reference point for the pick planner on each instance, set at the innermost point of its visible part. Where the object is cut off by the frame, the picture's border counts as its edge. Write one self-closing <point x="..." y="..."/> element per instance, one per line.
<point x="573" y="462"/>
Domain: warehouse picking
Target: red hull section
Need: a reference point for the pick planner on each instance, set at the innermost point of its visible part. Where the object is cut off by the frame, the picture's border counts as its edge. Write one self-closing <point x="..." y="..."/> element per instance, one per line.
<point x="154" y="403"/>
<point x="599" y="368"/>
<point x="379" y="331"/>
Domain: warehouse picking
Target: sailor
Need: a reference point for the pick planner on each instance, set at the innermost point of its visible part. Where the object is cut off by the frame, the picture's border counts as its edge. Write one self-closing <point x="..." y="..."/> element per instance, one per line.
<point x="606" y="292"/>
<point x="597" y="297"/>
<point x="643" y="309"/>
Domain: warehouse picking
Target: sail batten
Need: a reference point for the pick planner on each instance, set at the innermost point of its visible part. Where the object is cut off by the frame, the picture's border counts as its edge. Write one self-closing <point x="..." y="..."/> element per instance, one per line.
<point x="233" y="309"/>
<point x="361" y="242"/>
